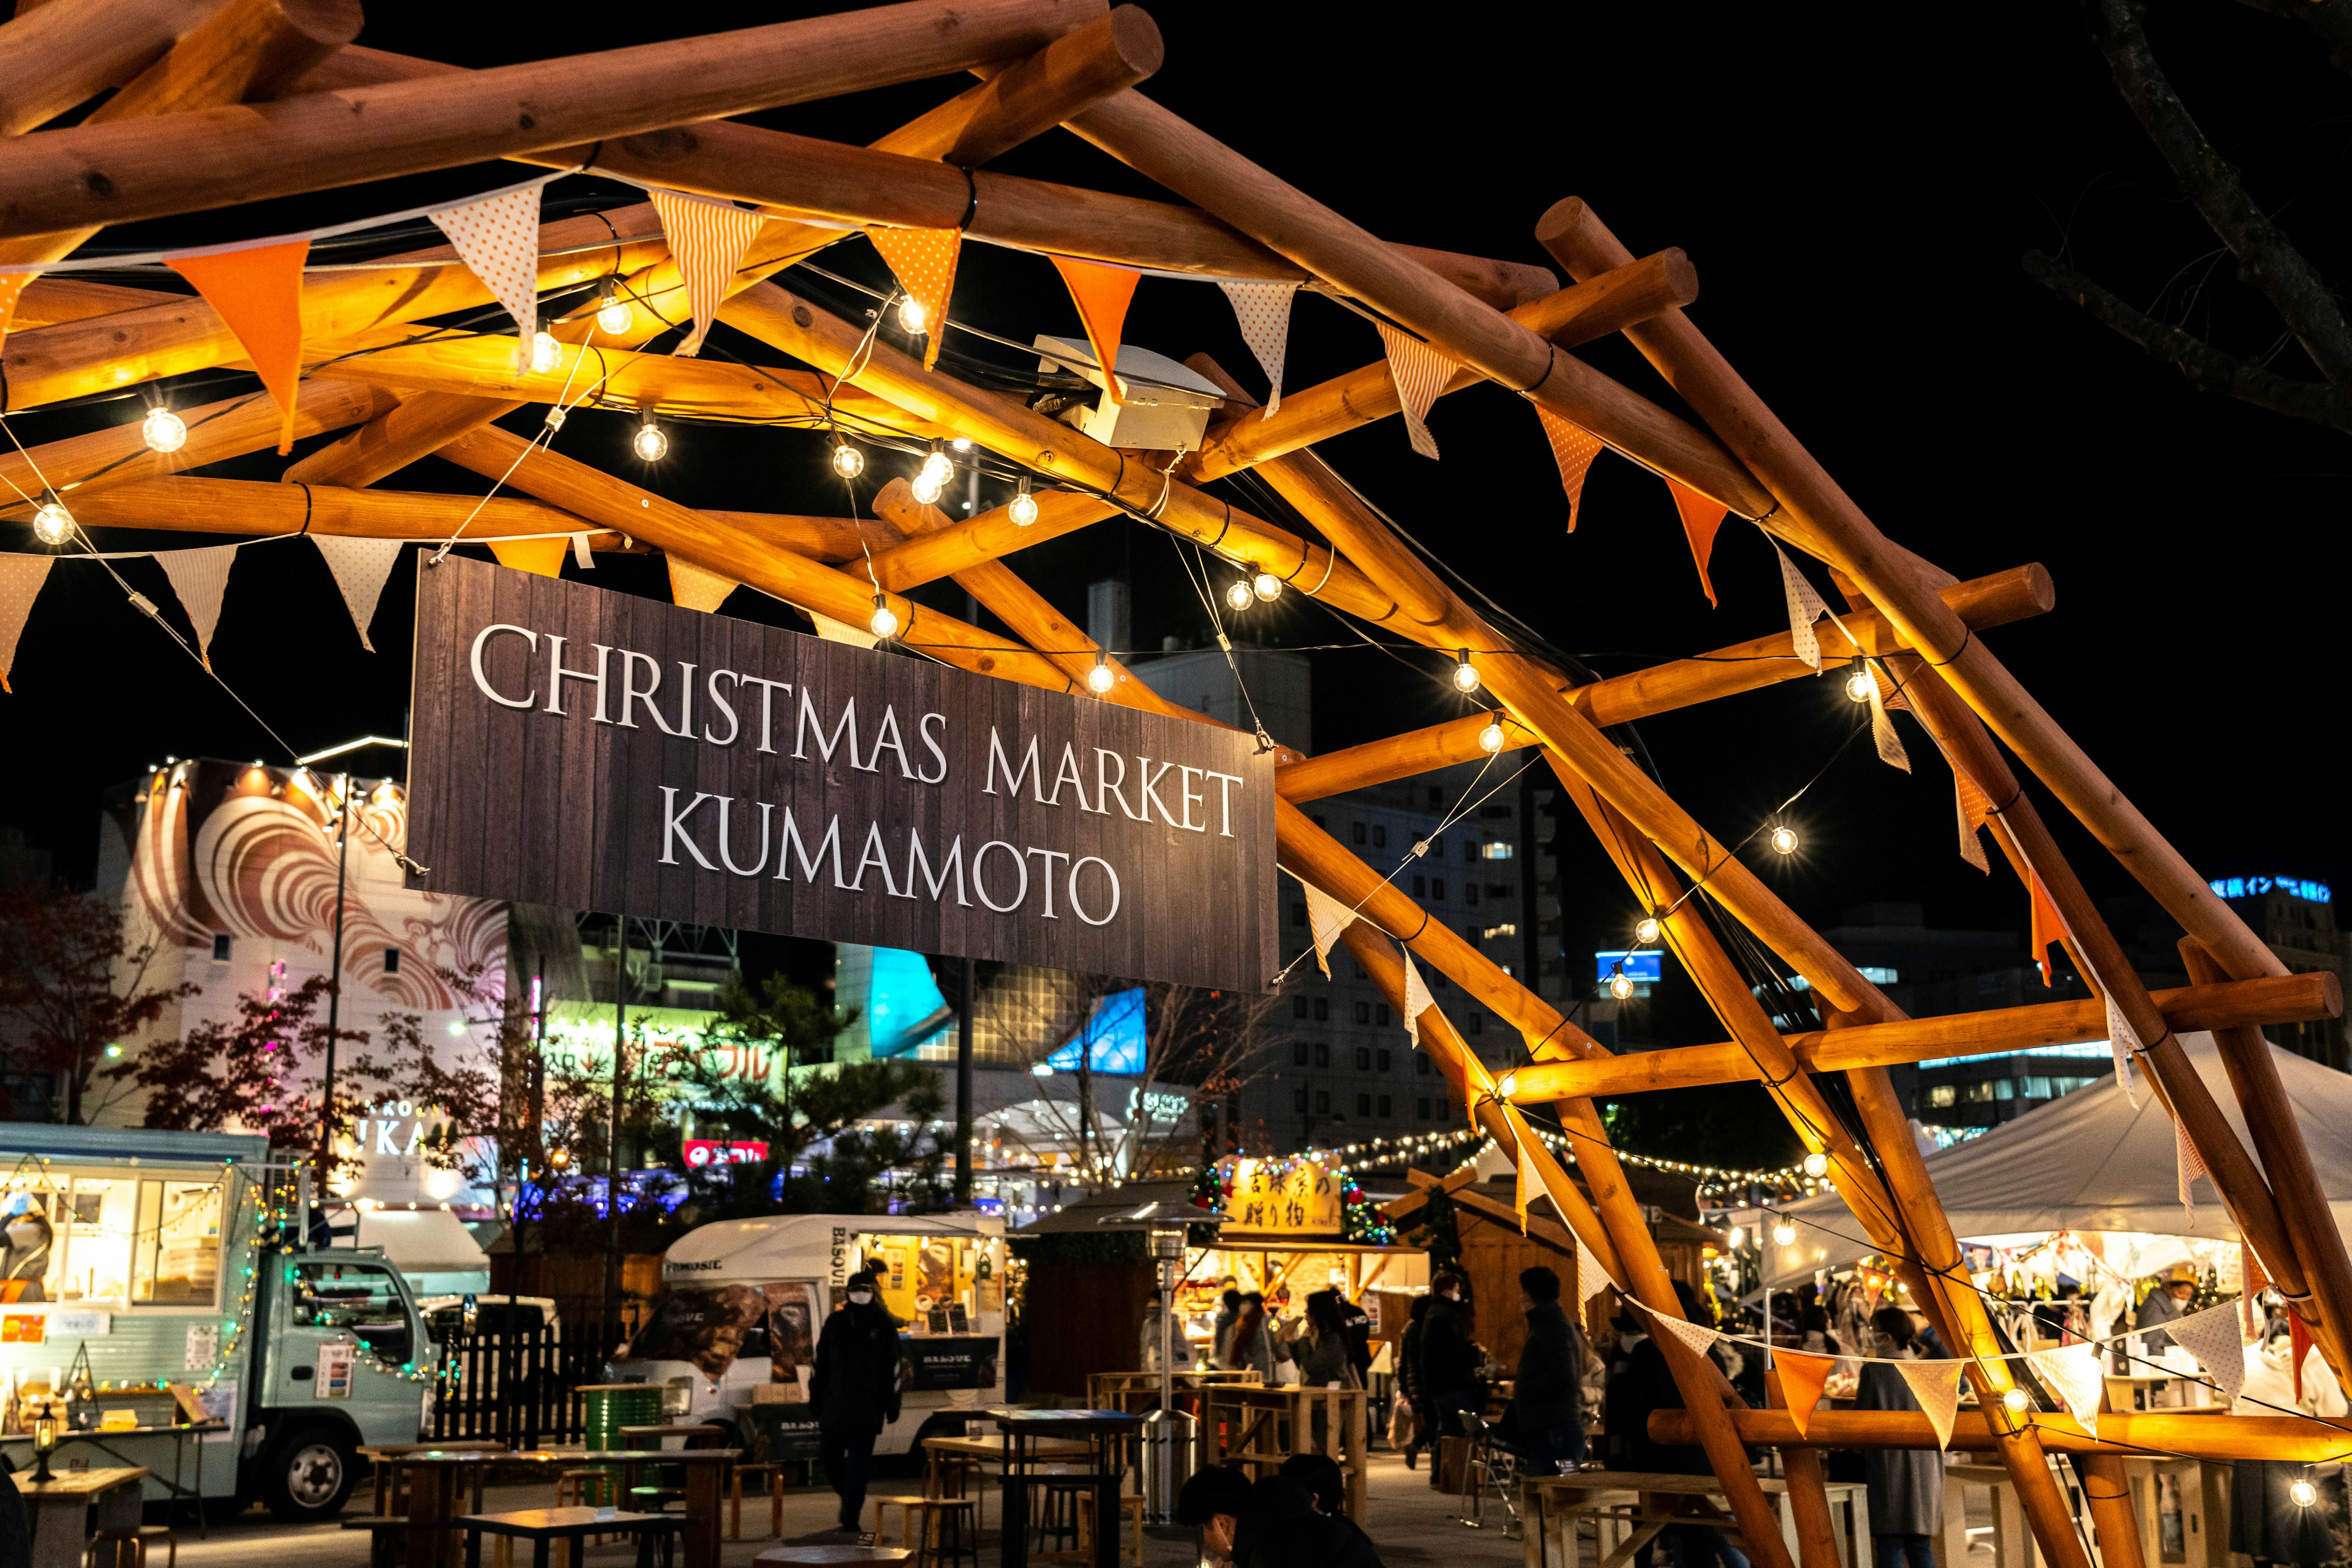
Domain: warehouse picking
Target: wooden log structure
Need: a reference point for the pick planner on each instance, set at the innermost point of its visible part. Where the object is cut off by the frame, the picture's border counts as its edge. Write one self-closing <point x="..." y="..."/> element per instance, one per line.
<point x="69" y="51"/>
<point x="2292" y="1439"/>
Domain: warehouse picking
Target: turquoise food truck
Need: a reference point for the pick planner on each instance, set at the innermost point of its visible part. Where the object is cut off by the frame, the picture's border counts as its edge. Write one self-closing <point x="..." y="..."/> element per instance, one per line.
<point x="150" y="1276"/>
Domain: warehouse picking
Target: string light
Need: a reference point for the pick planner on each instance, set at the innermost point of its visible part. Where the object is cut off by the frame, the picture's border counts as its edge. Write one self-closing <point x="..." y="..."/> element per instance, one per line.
<point x="1784" y="1234"/>
<point x="1817" y="1164"/>
<point x="1465" y="674"/>
<point x="1101" y="677"/>
<point x="1239" y="595"/>
<point x="847" y="460"/>
<point x="1738" y="1235"/>
<point x="546" y="353"/>
<point x="163" y="430"/>
<point x="2018" y="1401"/>
<point x="1266" y="586"/>
<point x="1023" y="508"/>
<point x="932" y="479"/>
<point x="651" y="443"/>
<point x="613" y="312"/>
<point x="912" y="317"/>
<point x="1508" y="1085"/>
<point x="52" y="524"/>
<point x="884" y="624"/>
<point x="1784" y="839"/>
<point x="1490" y="739"/>
<point x="1859" y="686"/>
<point x="1646" y="929"/>
<point x="2304" y="1493"/>
<point x="1621" y="987"/>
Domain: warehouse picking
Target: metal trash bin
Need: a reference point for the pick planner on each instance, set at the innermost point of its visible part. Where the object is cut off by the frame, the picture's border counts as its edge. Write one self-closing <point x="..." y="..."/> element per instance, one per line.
<point x="1165" y="1456"/>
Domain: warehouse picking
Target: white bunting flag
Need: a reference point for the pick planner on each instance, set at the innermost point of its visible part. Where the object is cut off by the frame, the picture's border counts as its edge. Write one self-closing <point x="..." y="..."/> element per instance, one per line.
<point x="200" y="577"/>
<point x="1573" y="447"/>
<point x="1420" y="373"/>
<point x="1590" y="1278"/>
<point x="360" y="567"/>
<point x="692" y="588"/>
<point x="1525" y="1189"/>
<point x="497" y="239"/>
<point x="2072" y="1372"/>
<point x="706" y="239"/>
<point x="1327" y="917"/>
<point x="2212" y="1337"/>
<point x="1881" y="726"/>
<point x="21" y="577"/>
<point x="1974" y="810"/>
<point x="1698" y="1336"/>
<point x="1805" y="607"/>
<point x="832" y="630"/>
<point x="1417" y="999"/>
<point x="2125" y="1044"/>
<point x="1936" y="1385"/>
<point x="581" y="555"/>
<point x="1262" y="307"/>
<point x="2192" y="1166"/>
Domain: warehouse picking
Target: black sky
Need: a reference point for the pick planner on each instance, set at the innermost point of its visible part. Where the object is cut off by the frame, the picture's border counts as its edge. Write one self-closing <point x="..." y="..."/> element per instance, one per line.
<point x="1855" y="189"/>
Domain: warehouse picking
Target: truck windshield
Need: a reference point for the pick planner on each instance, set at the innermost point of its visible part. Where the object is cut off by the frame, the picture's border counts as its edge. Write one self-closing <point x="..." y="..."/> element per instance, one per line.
<point x="360" y="1298"/>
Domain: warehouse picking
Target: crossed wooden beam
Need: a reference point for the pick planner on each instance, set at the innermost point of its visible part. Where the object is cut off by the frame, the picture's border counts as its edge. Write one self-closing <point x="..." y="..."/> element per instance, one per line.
<point x="230" y="100"/>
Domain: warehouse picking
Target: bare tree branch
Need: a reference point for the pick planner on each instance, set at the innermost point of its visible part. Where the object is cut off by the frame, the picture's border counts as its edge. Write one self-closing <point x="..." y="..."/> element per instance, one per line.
<point x="2266" y="257"/>
<point x="2331" y="19"/>
<point x="2207" y="368"/>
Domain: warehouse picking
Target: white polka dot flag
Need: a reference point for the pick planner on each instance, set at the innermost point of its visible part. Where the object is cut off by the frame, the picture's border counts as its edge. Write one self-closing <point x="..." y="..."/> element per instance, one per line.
<point x="706" y="239"/>
<point x="1882" y="726"/>
<point x="692" y="588"/>
<point x="1701" y="517"/>
<point x="1936" y="1385"/>
<point x="1698" y="1336"/>
<point x="923" y="260"/>
<point x="21" y="577"/>
<point x="2191" y="1163"/>
<point x="832" y="630"/>
<point x="497" y="239"/>
<point x="1573" y="447"/>
<point x="1420" y="373"/>
<point x="200" y="577"/>
<point x="2071" y="1372"/>
<point x="2213" y="1338"/>
<point x="1417" y="999"/>
<point x="1805" y="607"/>
<point x="360" y="567"/>
<point x="1327" y="917"/>
<point x="1262" y="307"/>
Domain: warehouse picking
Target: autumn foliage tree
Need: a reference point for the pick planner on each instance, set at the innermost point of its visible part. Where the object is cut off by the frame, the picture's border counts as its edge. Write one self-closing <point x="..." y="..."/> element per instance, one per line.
<point x="72" y="983"/>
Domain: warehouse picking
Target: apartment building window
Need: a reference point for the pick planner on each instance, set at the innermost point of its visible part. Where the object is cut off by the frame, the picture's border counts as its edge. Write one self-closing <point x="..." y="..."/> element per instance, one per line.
<point x="220" y="947"/>
<point x="1380" y="1015"/>
<point x="1477" y="1023"/>
<point x="392" y="960"/>
<point x="1420" y="887"/>
<point x="1363" y="1105"/>
<point x="1420" y="1064"/>
<point x="1298" y="1051"/>
<point x="1322" y="1102"/>
<point x="1363" y="1058"/>
<point x="1470" y="851"/>
<point x="1380" y="836"/>
<point x="1470" y="893"/>
<point x="1298" y="914"/>
<point x="1298" y="1100"/>
<point x="1421" y="1110"/>
<point x="1322" y="1009"/>
<point x="1437" y="887"/>
<point x="1384" y="1107"/>
<point x="1322" y="1054"/>
<point x="1364" y="1012"/>
<point x="1382" y="1061"/>
<point x="1357" y="833"/>
<point x="1298" y="1006"/>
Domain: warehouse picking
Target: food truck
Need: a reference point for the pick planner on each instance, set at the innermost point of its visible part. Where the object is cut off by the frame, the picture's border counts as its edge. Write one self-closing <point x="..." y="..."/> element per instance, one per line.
<point x="142" y="1289"/>
<point x="733" y="1336"/>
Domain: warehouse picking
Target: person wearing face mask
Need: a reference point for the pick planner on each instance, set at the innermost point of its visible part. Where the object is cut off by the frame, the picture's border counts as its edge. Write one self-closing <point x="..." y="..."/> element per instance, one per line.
<point x="1906" y="1485"/>
<point x="855" y="1391"/>
<point x="26" y="1261"/>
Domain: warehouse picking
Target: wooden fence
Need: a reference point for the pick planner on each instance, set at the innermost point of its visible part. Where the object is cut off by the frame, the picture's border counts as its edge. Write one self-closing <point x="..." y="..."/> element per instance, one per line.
<point x="519" y="1386"/>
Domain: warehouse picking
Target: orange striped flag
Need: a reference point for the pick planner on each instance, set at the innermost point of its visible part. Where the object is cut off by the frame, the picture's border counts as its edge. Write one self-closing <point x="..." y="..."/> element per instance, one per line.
<point x="1420" y="373"/>
<point x="706" y="239"/>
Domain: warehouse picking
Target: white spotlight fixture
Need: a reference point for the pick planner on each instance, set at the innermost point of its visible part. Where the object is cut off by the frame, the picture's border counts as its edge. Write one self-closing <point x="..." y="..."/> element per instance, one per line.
<point x="1508" y="1085"/>
<point x="1646" y="929"/>
<point x="162" y="430"/>
<point x="613" y="312"/>
<point x="1465" y="674"/>
<point x="2304" y="1493"/>
<point x="884" y="624"/>
<point x="651" y="443"/>
<point x="931" y="478"/>
<point x="1621" y="987"/>
<point x="546" y="353"/>
<point x="1023" y="510"/>
<point x="2018" y="1401"/>
<point x="1784" y="1234"/>
<point x="1859" y="685"/>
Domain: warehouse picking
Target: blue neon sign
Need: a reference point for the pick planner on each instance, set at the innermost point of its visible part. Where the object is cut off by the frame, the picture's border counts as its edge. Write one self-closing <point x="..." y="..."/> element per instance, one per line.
<point x="2255" y="886"/>
<point x="1646" y="965"/>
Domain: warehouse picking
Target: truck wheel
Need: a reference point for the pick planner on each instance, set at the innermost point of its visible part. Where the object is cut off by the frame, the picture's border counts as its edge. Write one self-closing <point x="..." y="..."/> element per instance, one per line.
<point x="307" y="1474"/>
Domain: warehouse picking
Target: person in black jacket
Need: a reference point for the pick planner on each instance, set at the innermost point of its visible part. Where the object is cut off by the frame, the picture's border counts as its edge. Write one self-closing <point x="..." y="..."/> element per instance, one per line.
<point x="1449" y="1359"/>
<point x="1280" y="1529"/>
<point x="1409" y="1389"/>
<point x="856" y="1390"/>
<point x="1358" y="1323"/>
<point x="1546" y="1421"/>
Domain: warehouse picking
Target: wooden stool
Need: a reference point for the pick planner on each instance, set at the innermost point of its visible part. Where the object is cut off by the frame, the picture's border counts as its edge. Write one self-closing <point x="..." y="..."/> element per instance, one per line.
<point x="127" y="1547"/>
<point x="587" y="1488"/>
<point x="1130" y="1506"/>
<point x="906" y="1507"/>
<point x="944" y="1538"/>
<point x="774" y="1472"/>
<point x="1057" y="1518"/>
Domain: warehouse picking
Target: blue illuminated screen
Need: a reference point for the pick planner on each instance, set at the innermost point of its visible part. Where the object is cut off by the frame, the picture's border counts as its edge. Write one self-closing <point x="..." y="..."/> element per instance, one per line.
<point x="2255" y="886"/>
<point x="1646" y="963"/>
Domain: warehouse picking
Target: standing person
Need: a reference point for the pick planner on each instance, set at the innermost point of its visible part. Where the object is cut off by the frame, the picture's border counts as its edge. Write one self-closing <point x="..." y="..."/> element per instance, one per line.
<point x="1148" y="1336"/>
<point x="1449" y="1361"/>
<point x="1639" y="1382"/>
<point x="855" y="1391"/>
<point x="1359" y="1326"/>
<point x="1410" y="1388"/>
<point x="2168" y="1302"/>
<point x="1322" y="1352"/>
<point x="1229" y="1306"/>
<point x="1906" y="1485"/>
<point x="1249" y="1347"/>
<point x="1546" y="1420"/>
<point x="26" y="1264"/>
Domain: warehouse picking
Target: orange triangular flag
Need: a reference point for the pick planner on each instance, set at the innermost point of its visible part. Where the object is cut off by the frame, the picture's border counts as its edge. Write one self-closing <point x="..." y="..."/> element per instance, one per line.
<point x="12" y="288"/>
<point x="1701" y="517"/>
<point x="1102" y="294"/>
<point x="924" y="262"/>
<point x="258" y="292"/>
<point x="539" y="557"/>
<point x="1801" y="1378"/>
<point x="2046" y="926"/>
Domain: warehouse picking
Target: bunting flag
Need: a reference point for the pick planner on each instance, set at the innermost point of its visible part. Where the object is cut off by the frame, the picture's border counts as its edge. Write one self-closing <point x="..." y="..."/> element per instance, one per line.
<point x="12" y="289"/>
<point x="1327" y="917"/>
<point x="21" y="577"/>
<point x="2072" y="1372"/>
<point x="1102" y="295"/>
<point x="923" y="260"/>
<point x="258" y="292"/>
<point x="1698" y="1336"/>
<point x="706" y="239"/>
<point x="2190" y="1163"/>
<point x="1525" y="1189"/>
<point x="1701" y="517"/>
<point x="1801" y="1377"/>
<point x="832" y="630"/>
<point x="2123" y="1042"/>
<point x="1262" y="307"/>
<point x="1590" y="1278"/>
<point x="693" y="588"/>
<point x="1805" y="607"/>
<point x="497" y="239"/>
<point x="2044" y="924"/>
<point x="2212" y="1337"/>
<point x="581" y="555"/>
<point x="1975" y="810"/>
<point x="200" y="577"/>
<point x="2298" y="1345"/>
<point x="1417" y="999"/>
<point x="360" y="567"/>
<point x="1881" y="728"/>
<point x="1420" y="373"/>
<point x="539" y="557"/>
<point x="1573" y="447"/>
<point x="1936" y="1385"/>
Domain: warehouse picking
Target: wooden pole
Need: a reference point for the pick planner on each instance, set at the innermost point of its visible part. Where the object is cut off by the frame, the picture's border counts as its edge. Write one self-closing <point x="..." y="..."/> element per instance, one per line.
<point x="2278" y="999"/>
<point x="2114" y="1521"/>
<point x="61" y="297"/>
<point x="217" y="157"/>
<point x="1808" y="1507"/>
<point x="2289" y="1439"/>
<point x="976" y="540"/>
<point x="69" y="51"/>
<point x="1111" y="53"/>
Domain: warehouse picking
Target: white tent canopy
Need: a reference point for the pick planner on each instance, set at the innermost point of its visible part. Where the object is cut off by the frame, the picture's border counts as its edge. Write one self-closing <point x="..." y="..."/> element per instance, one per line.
<point x="423" y="1241"/>
<point x="2089" y="1161"/>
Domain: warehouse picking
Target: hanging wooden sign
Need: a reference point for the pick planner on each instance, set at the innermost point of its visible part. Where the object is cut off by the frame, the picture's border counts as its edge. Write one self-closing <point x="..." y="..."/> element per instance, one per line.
<point x="590" y="750"/>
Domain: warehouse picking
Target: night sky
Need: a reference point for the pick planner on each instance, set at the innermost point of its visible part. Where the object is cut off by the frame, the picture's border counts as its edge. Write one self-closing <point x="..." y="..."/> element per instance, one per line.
<point x="1855" y="191"/>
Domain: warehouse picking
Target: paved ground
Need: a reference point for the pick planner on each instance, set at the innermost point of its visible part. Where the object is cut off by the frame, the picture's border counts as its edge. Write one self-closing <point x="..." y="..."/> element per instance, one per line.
<point x="1413" y="1526"/>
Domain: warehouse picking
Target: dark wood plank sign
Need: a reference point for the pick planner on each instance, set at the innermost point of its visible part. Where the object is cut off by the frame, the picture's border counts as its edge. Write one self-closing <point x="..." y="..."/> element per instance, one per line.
<point x="593" y="751"/>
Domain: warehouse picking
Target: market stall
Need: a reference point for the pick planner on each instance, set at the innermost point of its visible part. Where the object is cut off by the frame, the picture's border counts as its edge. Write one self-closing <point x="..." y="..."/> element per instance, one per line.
<point x="1299" y="1224"/>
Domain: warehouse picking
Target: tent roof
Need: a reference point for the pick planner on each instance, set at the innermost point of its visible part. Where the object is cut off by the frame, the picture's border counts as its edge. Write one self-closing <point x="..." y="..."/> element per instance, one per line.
<point x="423" y="1241"/>
<point x="2091" y="1161"/>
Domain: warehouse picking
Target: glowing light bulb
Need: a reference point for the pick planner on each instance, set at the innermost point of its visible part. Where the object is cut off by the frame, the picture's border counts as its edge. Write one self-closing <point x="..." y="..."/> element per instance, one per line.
<point x="52" y="524"/>
<point x="1101" y="677"/>
<point x="1239" y="597"/>
<point x="1621" y="987"/>
<point x="651" y="443"/>
<point x="612" y="314"/>
<point x="938" y="466"/>
<point x="1859" y="686"/>
<point x="1508" y="1085"/>
<point x="885" y="622"/>
<point x="2304" y="1493"/>
<point x="546" y="353"/>
<point x="1266" y="586"/>
<point x="912" y="317"/>
<point x="1817" y="1164"/>
<point x="2018" y="1401"/>
<point x="1465" y="674"/>
<point x="560" y="1158"/>
<point x="1737" y="1235"/>
<point x="1646" y="928"/>
<point x="1490" y="739"/>
<point x="1023" y="508"/>
<point x="847" y="460"/>
<point x="1784" y="839"/>
<point x="163" y="430"/>
<point x="1784" y="1234"/>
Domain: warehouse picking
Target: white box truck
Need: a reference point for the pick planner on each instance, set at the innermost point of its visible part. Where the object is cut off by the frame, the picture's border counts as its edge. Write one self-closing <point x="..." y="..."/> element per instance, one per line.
<point x="170" y="1262"/>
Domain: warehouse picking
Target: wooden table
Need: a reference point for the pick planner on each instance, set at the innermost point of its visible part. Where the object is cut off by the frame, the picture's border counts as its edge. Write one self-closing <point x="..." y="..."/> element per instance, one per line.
<point x="706" y="1491"/>
<point x="433" y="1482"/>
<point x="832" y="1556"/>
<point x="179" y="1435"/>
<point x="660" y="1433"/>
<point x="1238" y="1418"/>
<point x="1027" y="1432"/>
<point x="1618" y="1503"/>
<point x="946" y="1458"/>
<point x="542" y="1526"/>
<point x="61" y="1510"/>
<point x="1119" y="1390"/>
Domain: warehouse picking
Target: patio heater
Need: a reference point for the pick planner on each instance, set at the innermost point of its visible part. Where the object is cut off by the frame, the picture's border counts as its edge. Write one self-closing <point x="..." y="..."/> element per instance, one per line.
<point x="1170" y="1438"/>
